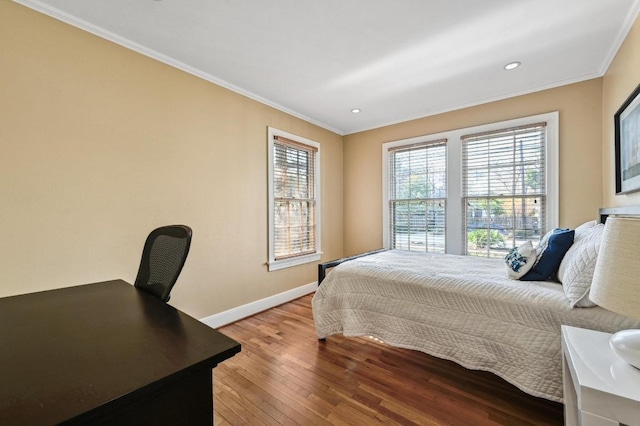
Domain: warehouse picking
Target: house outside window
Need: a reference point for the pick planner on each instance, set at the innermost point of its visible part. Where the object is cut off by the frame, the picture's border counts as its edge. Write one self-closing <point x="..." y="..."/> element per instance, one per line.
<point x="294" y="201"/>
<point x="499" y="188"/>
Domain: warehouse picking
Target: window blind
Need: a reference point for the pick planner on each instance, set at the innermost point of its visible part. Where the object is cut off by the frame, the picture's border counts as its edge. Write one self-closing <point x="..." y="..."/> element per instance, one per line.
<point x="417" y="196"/>
<point x="294" y="198"/>
<point x="504" y="189"/>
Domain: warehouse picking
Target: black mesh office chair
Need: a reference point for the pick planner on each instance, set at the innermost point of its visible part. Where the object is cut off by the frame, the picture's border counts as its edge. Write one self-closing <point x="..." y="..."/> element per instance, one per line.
<point x="163" y="257"/>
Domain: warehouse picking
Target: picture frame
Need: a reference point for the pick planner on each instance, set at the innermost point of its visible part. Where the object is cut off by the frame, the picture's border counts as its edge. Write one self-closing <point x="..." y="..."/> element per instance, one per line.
<point x="627" y="144"/>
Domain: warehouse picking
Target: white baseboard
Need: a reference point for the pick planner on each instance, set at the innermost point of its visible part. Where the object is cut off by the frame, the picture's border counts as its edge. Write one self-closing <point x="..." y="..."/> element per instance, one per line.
<point x="235" y="314"/>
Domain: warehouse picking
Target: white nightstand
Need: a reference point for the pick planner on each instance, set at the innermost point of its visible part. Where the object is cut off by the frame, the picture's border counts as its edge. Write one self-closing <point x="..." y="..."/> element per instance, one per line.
<point x="599" y="387"/>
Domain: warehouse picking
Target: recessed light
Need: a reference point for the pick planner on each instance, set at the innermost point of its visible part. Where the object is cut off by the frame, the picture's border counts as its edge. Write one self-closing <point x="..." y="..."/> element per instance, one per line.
<point x="512" y="65"/>
<point x="356" y="110"/>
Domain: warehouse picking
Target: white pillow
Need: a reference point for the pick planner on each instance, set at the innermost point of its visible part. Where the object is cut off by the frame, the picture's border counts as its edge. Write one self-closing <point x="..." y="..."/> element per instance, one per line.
<point x="577" y="266"/>
<point x="520" y="260"/>
<point x="580" y="232"/>
<point x="584" y="228"/>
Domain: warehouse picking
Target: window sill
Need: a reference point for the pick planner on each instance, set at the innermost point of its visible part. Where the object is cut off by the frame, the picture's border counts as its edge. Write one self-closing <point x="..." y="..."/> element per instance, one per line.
<point x="294" y="261"/>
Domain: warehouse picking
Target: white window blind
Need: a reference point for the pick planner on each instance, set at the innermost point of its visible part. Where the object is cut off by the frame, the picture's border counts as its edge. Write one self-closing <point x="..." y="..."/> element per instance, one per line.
<point x="417" y="196"/>
<point x="294" y="200"/>
<point x="504" y="188"/>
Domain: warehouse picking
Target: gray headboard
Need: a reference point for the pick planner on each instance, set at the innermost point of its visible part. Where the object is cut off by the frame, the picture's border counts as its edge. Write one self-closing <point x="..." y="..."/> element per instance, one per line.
<point x="629" y="211"/>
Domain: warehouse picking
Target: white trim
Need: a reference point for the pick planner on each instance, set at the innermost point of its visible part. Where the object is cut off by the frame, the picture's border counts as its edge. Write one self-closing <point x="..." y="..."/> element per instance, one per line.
<point x="273" y="264"/>
<point x="48" y="10"/>
<point x="244" y="311"/>
<point x="478" y="102"/>
<point x="553" y="168"/>
<point x="108" y="35"/>
<point x="454" y="174"/>
<point x="621" y="37"/>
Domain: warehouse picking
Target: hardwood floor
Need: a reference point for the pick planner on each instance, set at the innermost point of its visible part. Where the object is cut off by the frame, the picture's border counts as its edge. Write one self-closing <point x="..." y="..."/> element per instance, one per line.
<point x="285" y="376"/>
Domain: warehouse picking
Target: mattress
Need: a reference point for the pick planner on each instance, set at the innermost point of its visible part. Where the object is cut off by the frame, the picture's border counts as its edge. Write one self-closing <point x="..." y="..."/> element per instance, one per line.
<point x="460" y="308"/>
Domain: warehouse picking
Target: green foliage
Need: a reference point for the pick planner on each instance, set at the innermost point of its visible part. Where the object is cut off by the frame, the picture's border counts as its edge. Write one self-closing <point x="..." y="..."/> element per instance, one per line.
<point x="496" y="207"/>
<point x="532" y="180"/>
<point x="481" y="237"/>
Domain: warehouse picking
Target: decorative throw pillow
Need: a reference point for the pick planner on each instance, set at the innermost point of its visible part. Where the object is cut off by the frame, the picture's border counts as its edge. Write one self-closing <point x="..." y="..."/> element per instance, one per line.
<point x="551" y="250"/>
<point x="520" y="260"/>
<point x="577" y="267"/>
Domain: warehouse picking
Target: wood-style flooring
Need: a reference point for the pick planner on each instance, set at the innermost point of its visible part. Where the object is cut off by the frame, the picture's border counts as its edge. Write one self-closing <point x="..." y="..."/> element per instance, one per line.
<point x="285" y="376"/>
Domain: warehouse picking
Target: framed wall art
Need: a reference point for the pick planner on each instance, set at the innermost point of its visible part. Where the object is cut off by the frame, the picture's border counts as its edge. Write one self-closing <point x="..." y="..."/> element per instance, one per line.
<point x="627" y="140"/>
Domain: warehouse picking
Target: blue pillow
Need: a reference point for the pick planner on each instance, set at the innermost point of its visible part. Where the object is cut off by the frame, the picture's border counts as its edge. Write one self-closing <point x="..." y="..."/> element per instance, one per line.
<point x="548" y="261"/>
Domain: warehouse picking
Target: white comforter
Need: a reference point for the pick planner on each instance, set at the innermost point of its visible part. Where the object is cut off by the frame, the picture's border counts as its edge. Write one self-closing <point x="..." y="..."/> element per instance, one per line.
<point x="459" y="308"/>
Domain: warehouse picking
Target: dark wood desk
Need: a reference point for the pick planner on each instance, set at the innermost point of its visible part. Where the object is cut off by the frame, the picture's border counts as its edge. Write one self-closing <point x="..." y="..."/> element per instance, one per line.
<point x="105" y="353"/>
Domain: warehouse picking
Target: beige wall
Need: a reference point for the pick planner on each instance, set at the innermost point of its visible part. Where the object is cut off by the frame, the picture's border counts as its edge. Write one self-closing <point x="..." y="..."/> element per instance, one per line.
<point x="100" y="144"/>
<point x="580" y="156"/>
<point x="622" y="77"/>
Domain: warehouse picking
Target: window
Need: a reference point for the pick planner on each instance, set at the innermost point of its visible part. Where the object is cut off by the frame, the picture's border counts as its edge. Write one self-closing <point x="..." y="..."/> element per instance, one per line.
<point x="294" y="204"/>
<point x="476" y="191"/>
<point x="418" y="196"/>
<point x="503" y="183"/>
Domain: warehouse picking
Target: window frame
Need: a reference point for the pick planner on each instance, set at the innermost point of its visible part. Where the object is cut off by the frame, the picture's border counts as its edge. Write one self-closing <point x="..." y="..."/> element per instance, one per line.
<point x="272" y="263"/>
<point x="454" y="213"/>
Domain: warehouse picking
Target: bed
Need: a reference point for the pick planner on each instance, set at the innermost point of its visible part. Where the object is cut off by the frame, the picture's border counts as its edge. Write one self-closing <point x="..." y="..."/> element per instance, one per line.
<point x="460" y="308"/>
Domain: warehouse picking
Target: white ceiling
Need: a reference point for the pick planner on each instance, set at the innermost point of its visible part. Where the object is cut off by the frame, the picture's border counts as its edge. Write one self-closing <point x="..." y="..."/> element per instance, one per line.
<point x="394" y="59"/>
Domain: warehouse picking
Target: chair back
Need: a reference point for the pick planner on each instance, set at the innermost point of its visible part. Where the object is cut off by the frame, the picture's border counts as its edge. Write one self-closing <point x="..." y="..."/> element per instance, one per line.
<point x="163" y="257"/>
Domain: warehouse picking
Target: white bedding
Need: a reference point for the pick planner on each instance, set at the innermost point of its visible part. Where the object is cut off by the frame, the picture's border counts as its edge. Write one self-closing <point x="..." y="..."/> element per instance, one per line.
<point x="459" y="308"/>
